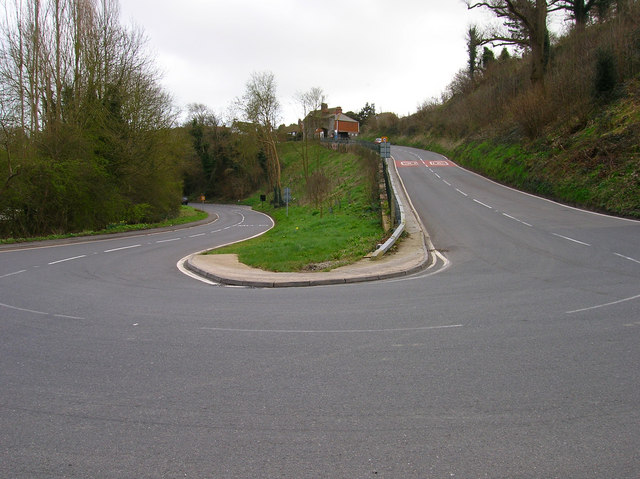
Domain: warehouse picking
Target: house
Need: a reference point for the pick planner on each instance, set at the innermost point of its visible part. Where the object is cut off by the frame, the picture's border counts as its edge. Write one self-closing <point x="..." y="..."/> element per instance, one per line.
<point x="331" y="123"/>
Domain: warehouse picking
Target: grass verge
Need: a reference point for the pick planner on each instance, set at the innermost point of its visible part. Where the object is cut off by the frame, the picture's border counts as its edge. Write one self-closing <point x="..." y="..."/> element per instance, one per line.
<point x="317" y="236"/>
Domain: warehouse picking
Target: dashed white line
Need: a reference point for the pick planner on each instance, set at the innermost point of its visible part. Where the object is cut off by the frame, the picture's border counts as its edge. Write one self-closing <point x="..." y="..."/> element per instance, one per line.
<point x="168" y="240"/>
<point x="195" y="236"/>
<point x="461" y="192"/>
<point x="621" y="256"/>
<point x="67" y="259"/>
<point x="571" y="239"/>
<point x="14" y="273"/>
<point x="446" y="182"/>
<point x="516" y="219"/>
<point x="120" y="249"/>
<point x="437" y="175"/>
<point x="483" y="204"/>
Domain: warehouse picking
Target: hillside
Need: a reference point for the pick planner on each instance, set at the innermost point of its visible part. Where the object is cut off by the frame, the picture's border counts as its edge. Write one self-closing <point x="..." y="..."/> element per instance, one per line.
<point x="574" y="138"/>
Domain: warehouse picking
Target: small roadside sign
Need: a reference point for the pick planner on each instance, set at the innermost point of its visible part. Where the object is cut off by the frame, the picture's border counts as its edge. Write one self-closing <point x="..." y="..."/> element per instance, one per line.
<point x="385" y="150"/>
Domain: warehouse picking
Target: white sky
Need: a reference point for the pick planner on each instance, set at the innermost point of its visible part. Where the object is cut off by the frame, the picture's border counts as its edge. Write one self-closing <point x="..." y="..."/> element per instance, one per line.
<point x="395" y="54"/>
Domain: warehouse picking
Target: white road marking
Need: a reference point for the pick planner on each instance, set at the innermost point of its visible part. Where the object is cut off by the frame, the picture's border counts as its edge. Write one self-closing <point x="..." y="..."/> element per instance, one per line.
<point x="183" y="269"/>
<point x="15" y="272"/>
<point x="68" y="259"/>
<point x="24" y="310"/>
<point x="516" y="219"/>
<point x="604" y="305"/>
<point x="195" y="236"/>
<point x="120" y="249"/>
<point x="446" y="182"/>
<point x="329" y="331"/>
<point x="65" y="316"/>
<point x="483" y="204"/>
<point x="622" y="256"/>
<point x="41" y="313"/>
<point x="571" y="239"/>
<point x="437" y="175"/>
<point x="461" y="192"/>
<point x="168" y="240"/>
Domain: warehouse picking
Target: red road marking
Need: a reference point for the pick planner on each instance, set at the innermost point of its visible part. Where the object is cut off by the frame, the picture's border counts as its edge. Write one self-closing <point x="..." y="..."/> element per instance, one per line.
<point x="416" y="163"/>
<point x="408" y="163"/>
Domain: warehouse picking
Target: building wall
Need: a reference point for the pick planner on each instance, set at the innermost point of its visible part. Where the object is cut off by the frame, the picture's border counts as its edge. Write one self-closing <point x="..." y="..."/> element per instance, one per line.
<point x="348" y="126"/>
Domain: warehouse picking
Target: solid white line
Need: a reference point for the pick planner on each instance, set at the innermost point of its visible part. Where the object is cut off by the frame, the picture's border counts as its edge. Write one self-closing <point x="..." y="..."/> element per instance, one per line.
<point x="185" y="271"/>
<point x="604" y="305"/>
<point x="24" y="310"/>
<point x="330" y="331"/>
<point x="65" y="316"/>
<point x="67" y="259"/>
<point x="42" y="313"/>
<point x="627" y="257"/>
<point x="182" y="268"/>
<point x="483" y="204"/>
<point x="571" y="239"/>
<point x="15" y="272"/>
<point x="120" y="249"/>
<point x="461" y="192"/>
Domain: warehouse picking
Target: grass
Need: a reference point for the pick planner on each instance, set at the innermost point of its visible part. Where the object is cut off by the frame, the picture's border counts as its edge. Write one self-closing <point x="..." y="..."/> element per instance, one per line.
<point x="595" y="167"/>
<point x="187" y="214"/>
<point x="310" y="237"/>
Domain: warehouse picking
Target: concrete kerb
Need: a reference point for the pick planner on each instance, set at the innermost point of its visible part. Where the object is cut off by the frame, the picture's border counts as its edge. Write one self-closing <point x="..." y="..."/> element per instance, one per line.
<point x="412" y="256"/>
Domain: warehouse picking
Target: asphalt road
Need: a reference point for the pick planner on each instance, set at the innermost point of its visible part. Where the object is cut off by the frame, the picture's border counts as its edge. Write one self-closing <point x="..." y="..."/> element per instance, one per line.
<point x="519" y="360"/>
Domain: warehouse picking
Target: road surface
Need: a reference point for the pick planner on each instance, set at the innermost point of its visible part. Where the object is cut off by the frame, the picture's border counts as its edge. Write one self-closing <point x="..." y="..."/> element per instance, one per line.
<point x="519" y="360"/>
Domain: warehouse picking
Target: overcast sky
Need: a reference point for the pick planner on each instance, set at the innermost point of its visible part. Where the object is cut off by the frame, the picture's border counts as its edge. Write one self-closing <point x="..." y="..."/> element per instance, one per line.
<point x="395" y="54"/>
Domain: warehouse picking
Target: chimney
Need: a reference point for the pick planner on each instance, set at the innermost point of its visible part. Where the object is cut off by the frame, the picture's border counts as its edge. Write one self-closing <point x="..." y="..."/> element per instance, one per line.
<point x="324" y="108"/>
<point x="338" y="110"/>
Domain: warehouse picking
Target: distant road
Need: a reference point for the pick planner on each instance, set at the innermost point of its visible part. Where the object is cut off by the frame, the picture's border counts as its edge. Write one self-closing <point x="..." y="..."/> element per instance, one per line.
<point x="519" y="360"/>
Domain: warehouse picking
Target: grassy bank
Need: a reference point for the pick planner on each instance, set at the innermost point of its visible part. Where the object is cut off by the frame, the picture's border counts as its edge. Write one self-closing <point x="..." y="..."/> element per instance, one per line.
<point x="316" y="235"/>
<point x="593" y="165"/>
<point x="187" y="214"/>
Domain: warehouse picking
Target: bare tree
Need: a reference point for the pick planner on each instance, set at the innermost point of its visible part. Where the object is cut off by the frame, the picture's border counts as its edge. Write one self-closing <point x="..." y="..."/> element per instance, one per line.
<point x="525" y="25"/>
<point x="581" y="10"/>
<point x="260" y="106"/>
<point x="78" y="91"/>
<point x="311" y="102"/>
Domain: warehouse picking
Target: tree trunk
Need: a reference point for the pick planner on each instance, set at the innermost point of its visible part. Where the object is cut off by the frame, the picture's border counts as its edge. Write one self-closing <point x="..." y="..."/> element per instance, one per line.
<point x="538" y="37"/>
